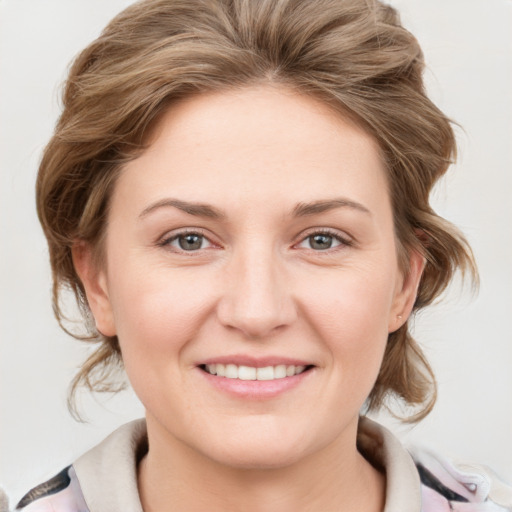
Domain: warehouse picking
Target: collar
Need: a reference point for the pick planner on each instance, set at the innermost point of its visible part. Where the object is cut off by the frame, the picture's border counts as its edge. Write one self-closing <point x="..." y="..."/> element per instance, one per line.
<point x="380" y="447"/>
<point x="108" y="473"/>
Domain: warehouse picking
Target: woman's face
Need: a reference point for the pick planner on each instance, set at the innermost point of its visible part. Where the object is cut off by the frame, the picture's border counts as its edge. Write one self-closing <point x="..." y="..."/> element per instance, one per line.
<point x="251" y="276"/>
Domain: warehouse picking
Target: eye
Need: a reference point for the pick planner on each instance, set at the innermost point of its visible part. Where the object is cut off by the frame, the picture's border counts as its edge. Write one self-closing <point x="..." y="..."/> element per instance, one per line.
<point x="322" y="241"/>
<point x="189" y="241"/>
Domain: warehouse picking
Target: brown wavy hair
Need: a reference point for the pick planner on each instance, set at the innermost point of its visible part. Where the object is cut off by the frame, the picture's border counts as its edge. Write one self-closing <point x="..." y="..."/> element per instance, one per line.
<point x="354" y="55"/>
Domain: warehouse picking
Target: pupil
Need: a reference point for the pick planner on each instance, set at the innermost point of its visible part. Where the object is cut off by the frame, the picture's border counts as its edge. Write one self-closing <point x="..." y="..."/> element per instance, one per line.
<point x="321" y="242"/>
<point x="190" y="242"/>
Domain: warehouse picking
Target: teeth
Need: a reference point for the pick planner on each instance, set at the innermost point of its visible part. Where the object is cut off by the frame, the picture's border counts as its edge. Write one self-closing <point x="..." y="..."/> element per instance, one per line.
<point x="246" y="373"/>
<point x="265" y="373"/>
<point x="232" y="371"/>
<point x="221" y="370"/>
<point x="280" y="371"/>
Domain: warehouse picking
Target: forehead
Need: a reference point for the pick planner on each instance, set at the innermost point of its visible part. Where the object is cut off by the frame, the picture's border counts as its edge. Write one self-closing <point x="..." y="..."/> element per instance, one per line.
<point x="259" y="142"/>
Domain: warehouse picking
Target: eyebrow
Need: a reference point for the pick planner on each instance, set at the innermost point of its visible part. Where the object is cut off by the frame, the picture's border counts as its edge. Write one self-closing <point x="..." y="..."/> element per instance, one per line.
<point x="196" y="209"/>
<point x="315" y="207"/>
<point x="208" y="211"/>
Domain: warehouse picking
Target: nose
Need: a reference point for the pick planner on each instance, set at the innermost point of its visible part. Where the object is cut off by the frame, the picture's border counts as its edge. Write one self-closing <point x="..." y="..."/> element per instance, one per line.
<point x="257" y="300"/>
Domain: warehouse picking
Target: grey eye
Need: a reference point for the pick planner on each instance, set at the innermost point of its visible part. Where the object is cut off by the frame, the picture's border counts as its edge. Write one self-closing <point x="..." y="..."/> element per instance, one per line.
<point x="190" y="241"/>
<point x="320" y="241"/>
<point x="186" y="241"/>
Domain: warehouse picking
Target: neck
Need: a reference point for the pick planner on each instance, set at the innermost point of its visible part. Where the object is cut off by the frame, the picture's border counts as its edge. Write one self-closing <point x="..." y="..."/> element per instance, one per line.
<point x="174" y="477"/>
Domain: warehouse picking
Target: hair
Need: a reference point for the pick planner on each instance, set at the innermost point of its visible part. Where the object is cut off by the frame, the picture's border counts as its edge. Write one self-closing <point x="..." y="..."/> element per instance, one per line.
<point x="353" y="55"/>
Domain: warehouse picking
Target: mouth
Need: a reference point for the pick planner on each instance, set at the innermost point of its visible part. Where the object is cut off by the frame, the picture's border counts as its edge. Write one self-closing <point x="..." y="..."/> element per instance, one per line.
<point x="242" y="376"/>
<point x="253" y="373"/>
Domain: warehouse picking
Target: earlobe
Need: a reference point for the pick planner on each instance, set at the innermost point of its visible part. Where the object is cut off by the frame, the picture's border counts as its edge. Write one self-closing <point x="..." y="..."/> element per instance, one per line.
<point x="406" y="292"/>
<point x="95" y="284"/>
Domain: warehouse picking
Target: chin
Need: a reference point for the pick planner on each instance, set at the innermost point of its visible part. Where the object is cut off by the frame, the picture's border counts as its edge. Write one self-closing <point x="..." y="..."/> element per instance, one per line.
<point x="259" y="456"/>
<point x="261" y="448"/>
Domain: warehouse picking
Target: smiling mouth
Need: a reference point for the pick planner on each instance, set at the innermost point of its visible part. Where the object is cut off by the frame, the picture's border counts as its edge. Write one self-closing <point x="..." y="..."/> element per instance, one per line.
<point x="241" y="372"/>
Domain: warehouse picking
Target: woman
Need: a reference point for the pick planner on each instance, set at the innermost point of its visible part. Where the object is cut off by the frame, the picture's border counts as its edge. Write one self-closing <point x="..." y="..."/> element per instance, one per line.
<point x="237" y="193"/>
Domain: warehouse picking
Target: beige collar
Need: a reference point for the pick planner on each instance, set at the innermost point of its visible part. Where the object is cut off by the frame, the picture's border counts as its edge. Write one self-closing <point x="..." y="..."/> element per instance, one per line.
<point x="108" y="473"/>
<point x="384" y="450"/>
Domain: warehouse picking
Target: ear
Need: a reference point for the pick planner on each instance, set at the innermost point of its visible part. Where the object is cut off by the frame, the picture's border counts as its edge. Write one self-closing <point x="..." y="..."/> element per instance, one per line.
<point x="406" y="291"/>
<point x="94" y="280"/>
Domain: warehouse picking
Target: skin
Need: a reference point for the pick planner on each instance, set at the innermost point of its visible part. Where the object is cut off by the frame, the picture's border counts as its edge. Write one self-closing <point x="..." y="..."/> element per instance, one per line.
<point x="256" y="286"/>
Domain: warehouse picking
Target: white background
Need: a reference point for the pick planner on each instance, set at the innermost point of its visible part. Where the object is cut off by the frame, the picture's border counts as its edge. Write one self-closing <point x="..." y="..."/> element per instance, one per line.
<point x="468" y="47"/>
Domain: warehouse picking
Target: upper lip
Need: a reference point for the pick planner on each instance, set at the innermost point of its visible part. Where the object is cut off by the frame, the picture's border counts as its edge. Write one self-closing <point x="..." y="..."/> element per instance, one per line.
<point x="256" y="362"/>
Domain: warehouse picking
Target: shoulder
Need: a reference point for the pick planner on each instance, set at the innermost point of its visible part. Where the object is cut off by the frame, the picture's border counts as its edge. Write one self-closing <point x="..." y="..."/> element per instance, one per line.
<point x="58" y="494"/>
<point x="104" y="478"/>
<point x="420" y="480"/>
<point x="450" y="486"/>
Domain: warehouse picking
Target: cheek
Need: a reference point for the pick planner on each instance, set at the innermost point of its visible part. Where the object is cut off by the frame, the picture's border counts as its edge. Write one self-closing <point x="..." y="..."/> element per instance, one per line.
<point x="350" y="301"/>
<point x="350" y="313"/>
<point x="157" y="310"/>
<point x="158" y="313"/>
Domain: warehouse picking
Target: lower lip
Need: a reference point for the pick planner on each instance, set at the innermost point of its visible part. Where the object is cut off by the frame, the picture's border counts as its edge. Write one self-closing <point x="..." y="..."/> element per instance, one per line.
<point x="256" y="389"/>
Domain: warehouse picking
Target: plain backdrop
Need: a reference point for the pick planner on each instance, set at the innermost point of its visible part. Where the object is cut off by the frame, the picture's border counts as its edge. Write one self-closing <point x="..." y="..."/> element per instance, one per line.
<point x="468" y="48"/>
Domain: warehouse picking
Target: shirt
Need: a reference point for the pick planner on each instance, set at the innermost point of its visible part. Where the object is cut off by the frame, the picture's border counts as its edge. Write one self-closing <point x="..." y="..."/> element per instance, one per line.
<point x="105" y="478"/>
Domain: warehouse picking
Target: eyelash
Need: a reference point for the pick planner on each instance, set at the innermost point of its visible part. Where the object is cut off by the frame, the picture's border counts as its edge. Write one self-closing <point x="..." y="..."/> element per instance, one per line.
<point x="167" y="240"/>
<point x="343" y="241"/>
